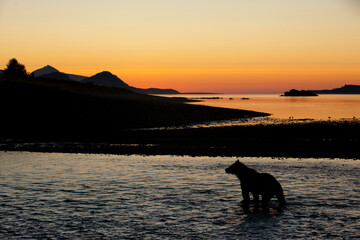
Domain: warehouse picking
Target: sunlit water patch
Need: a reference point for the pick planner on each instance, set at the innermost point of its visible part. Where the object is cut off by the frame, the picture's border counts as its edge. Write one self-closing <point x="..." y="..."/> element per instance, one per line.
<point x="80" y="196"/>
<point x="320" y="108"/>
<point x="256" y="121"/>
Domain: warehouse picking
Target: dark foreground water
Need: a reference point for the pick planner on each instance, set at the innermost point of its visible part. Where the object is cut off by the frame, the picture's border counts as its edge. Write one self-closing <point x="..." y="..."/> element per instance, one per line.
<point x="79" y="196"/>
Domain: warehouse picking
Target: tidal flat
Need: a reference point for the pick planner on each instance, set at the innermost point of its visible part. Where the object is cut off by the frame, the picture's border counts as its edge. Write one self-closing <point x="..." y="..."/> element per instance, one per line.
<point x="283" y="138"/>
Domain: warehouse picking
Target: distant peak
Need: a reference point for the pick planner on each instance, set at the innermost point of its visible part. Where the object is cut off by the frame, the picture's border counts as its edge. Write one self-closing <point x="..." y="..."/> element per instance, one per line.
<point x="49" y="67"/>
<point x="105" y="72"/>
<point x="44" y="70"/>
<point x="106" y="78"/>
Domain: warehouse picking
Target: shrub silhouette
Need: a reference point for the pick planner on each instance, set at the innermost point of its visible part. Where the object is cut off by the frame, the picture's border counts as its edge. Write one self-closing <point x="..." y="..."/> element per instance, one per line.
<point x="15" y="69"/>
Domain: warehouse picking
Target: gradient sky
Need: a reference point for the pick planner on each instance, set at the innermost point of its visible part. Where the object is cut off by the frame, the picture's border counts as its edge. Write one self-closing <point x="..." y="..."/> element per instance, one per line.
<point x="230" y="46"/>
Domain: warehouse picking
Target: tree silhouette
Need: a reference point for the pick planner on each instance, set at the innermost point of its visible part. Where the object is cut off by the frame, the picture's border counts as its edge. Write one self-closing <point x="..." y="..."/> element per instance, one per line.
<point x="15" y="69"/>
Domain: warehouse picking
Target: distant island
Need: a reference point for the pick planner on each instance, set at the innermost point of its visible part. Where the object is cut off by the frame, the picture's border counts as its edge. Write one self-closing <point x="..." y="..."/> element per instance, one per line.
<point x="346" y="89"/>
<point x="297" y="93"/>
<point x="105" y="79"/>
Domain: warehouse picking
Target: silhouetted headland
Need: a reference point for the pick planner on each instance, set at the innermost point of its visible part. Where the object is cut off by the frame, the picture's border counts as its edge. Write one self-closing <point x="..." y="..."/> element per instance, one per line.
<point x="297" y="93"/>
<point x="53" y="109"/>
<point x="346" y="89"/>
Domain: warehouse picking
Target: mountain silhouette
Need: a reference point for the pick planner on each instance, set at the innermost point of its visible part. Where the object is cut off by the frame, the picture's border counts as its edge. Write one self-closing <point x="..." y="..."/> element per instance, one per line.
<point x="106" y="79"/>
<point x="57" y="76"/>
<point x="346" y="89"/>
<point x="52" y="73"/>
<point x="44" y="71"/>
<point x="77" y="78"/>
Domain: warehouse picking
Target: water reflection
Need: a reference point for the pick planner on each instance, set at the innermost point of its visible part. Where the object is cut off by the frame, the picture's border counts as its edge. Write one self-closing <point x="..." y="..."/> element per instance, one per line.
<point x="321" y="107"/>
<point x="264" y="121"/>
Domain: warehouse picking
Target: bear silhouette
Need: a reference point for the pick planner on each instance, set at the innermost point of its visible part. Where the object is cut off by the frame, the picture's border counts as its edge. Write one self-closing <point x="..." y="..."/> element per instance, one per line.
<point x="251" y="181"/>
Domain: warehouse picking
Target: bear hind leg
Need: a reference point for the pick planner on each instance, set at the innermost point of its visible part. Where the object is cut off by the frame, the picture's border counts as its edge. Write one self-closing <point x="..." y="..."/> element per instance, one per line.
<point x="265" y="199"/>
<point x="255" y="197"/>
<point x="280" y="196"/>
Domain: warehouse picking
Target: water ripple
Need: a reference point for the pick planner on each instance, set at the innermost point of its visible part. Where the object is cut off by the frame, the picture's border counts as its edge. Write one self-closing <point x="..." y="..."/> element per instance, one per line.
<point x="79" y="196"/>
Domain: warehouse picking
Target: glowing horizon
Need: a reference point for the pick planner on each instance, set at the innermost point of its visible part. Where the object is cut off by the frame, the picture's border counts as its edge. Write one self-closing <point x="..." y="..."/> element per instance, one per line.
<point x="258" y="46"/>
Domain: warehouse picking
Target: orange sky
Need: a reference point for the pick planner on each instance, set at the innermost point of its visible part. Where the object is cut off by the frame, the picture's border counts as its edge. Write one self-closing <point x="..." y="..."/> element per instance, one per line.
<point x="228" y="46"/>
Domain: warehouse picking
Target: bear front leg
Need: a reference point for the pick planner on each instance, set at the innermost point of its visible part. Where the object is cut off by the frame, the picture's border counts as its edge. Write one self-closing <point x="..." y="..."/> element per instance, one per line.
<point x="256" y="197"/>
<point x="245" y="194"/>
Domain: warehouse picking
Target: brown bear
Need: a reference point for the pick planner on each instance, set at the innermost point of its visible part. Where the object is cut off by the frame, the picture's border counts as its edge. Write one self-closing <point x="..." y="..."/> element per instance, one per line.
<point x="262" y="184"/>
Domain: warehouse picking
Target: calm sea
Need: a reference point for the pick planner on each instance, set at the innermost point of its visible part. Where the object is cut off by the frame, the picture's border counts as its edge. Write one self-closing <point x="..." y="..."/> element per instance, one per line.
<point x="83" y="196"/>
<point x="321" y="107"/>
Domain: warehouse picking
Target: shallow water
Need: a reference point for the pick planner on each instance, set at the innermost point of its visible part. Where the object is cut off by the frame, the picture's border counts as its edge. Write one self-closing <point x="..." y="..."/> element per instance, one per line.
<point x="335" y="106"/>
<point x="81" y="196"/>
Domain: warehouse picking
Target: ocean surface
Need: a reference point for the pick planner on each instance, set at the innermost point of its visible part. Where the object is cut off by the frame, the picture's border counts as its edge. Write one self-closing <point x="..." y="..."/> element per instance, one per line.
<point x="319" y="108"/>
<point x="83" y="196"/>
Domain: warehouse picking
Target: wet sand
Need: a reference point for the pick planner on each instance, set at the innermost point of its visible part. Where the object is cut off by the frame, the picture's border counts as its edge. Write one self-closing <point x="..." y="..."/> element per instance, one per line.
<point x="331" y="139"/>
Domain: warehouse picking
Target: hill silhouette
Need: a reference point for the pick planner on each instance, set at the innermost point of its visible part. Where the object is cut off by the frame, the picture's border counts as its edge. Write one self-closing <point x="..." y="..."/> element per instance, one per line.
<point x="44" y="71"/>
<point x="52" y="73"/>
<point x="346" y="89"/>
<point x="104" y="78"/>
<point x="108" y="79"/>
<point x="57" y="76"/>
<point x="42" y="109"/>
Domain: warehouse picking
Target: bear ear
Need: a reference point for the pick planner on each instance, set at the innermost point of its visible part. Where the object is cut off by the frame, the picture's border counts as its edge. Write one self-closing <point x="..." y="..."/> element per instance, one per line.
<point x="237" y="160"/>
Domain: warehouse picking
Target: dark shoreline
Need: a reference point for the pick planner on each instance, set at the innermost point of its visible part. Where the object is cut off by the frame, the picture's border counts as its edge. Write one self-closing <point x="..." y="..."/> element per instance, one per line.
<point x="57" y="116"/>
<point x="57" y="110"/>
<point x="326" y="139"/>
